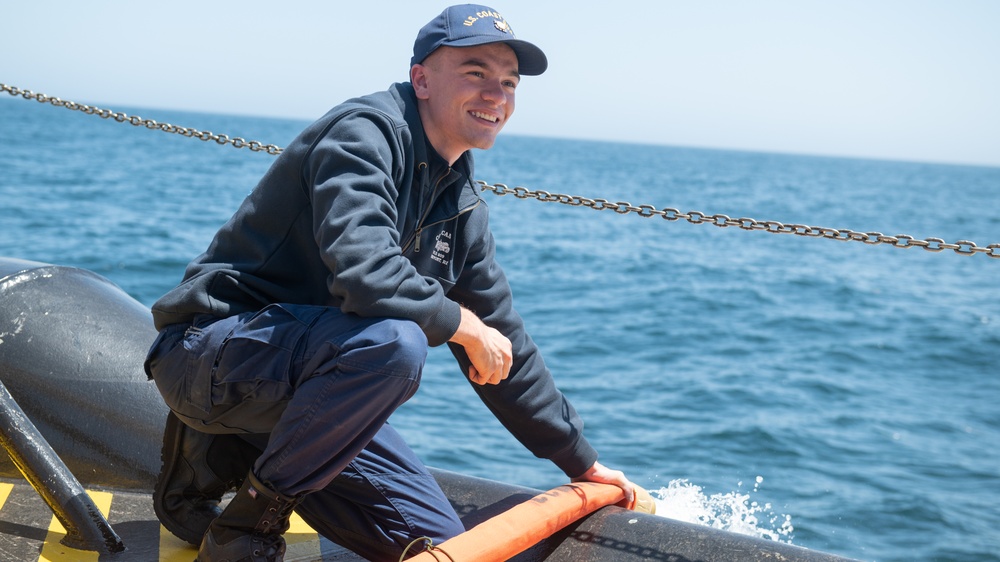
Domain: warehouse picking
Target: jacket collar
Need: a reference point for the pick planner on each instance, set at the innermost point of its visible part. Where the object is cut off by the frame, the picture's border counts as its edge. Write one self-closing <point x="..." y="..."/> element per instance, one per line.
<point x="423" y="151"/>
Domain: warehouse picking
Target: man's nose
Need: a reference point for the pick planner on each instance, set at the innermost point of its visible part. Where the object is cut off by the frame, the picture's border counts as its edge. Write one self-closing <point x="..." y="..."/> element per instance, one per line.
<point x="494" y="92"/>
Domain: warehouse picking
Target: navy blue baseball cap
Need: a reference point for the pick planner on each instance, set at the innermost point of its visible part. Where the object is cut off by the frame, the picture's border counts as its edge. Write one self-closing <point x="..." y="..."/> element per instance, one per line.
<point x="469" y="25"/>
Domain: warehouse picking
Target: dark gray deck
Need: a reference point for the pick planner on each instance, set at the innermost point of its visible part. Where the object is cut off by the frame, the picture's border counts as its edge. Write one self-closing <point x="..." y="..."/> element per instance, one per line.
<point x="29" y="532"/>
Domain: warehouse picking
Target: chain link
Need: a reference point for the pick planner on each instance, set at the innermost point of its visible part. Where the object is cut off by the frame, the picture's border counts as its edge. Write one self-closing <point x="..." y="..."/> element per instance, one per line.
<point x="961" y="247"/>
<point x="236" y="142"/>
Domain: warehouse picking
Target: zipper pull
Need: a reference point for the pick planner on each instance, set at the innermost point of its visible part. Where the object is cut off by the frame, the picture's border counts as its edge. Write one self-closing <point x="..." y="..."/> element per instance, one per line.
<point x="416" y="243"/>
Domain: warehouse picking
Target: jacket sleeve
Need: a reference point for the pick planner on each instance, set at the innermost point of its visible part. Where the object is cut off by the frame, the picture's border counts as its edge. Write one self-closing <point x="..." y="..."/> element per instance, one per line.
<point x="527" y="403"/>
<point x="352" y="174"/>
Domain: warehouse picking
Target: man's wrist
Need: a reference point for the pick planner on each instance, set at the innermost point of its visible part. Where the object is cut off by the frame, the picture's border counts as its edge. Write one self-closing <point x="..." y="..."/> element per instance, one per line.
<point x="467" y="328"/>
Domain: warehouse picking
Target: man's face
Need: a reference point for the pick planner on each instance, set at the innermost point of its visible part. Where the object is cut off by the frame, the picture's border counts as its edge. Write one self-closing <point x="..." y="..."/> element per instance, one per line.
<point x="466" y="96"/>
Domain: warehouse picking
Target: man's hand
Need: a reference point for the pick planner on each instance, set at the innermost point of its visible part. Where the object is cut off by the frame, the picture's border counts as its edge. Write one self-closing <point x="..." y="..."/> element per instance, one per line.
<point x="488" y="349"/>
<point x="600" y="473"/>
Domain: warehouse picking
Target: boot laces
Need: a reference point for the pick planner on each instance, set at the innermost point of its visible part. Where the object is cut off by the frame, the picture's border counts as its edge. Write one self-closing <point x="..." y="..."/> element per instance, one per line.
<point x="268" y="546"/>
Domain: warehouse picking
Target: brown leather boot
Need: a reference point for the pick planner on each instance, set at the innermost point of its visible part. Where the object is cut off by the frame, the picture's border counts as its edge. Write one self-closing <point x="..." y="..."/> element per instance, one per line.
<point x="198" y="469"/>
<point x="250" y="528"/>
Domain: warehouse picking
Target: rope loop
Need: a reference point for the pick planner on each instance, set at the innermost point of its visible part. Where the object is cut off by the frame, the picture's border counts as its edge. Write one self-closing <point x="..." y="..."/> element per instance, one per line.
<point x="429" y="547"/>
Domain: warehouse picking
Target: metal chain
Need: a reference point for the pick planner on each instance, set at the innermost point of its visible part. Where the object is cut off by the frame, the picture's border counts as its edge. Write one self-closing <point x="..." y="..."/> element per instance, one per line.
<point x="237" y="142"/>
<point x="961" y="247"/>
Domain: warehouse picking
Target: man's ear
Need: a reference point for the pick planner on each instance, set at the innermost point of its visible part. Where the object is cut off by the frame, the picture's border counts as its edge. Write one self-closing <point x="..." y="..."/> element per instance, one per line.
<point x="418" y="78"/>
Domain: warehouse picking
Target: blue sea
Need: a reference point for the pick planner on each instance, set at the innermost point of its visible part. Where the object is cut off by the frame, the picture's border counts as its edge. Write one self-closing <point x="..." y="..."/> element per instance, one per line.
<point x="836" y="395"/>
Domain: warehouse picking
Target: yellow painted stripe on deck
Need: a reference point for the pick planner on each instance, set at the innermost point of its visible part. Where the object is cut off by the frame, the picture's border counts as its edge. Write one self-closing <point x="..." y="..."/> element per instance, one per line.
<point x="54" y="551"/>
<point x="173" y="549"/>
<point x="4" y="492"/>
<point x="303" y="543"/>
<point x="301" y="540"/>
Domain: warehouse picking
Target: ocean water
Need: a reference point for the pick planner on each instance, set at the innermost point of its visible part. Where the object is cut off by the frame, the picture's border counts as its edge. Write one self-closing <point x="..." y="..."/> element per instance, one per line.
<point x="836" y="395"/>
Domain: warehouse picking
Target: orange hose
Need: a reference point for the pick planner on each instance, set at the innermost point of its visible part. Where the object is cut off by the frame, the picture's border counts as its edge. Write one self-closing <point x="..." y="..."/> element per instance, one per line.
<point x="524" y="525"/>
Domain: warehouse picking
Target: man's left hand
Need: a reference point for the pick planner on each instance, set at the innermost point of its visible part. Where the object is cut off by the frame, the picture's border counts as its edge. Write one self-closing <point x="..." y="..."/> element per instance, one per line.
<point x="600" y="473"/>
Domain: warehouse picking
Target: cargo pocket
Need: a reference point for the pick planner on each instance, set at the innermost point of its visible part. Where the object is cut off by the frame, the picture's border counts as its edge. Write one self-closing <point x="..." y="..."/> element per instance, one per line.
<point x="198" y="374"/>
<point x="255" y="360"/>
<point x="167" y="365"/>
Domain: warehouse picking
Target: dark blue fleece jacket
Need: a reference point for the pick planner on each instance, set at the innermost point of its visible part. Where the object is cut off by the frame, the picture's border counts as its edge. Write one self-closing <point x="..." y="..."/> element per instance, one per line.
<point x="360" y="213"/>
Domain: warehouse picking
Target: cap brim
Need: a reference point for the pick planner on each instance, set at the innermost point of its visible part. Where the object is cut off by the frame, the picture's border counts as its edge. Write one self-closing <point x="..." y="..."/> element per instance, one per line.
<point x="531" y="61"/>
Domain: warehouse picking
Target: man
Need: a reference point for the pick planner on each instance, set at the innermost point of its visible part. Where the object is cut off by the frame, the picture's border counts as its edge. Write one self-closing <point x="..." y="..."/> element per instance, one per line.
<point x="306" y="323"/>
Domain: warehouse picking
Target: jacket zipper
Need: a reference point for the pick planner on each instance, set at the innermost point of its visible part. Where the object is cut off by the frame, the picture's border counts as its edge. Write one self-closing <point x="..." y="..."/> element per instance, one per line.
<point x="415" y="237"/>
<point x="416" y="245"/>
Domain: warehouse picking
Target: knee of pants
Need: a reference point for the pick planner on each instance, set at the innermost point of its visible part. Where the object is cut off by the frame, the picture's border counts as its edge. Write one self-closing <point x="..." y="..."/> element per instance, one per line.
<point x="389" y="346"/>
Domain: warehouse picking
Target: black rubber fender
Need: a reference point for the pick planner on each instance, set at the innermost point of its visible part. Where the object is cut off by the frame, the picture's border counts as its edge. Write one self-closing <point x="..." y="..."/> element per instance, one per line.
<point x="72" y="345"/>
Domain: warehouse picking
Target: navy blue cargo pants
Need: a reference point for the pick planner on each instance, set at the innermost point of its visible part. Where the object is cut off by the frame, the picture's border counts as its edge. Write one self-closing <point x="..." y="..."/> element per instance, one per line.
<point x="313" y="387"/>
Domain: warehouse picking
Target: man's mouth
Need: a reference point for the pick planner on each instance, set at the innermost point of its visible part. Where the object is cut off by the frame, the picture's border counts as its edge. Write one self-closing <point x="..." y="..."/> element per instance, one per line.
<point x="487" y="117"/>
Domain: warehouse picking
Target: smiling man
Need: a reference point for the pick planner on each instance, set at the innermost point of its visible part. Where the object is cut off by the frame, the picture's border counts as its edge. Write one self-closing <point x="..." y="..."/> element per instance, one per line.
<point x="465" y="96"/>
<point x="306" y="322"/>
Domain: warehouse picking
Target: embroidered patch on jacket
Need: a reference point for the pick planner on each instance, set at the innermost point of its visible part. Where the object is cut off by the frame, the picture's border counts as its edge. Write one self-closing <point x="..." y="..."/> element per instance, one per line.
<point x="442" y="248"/>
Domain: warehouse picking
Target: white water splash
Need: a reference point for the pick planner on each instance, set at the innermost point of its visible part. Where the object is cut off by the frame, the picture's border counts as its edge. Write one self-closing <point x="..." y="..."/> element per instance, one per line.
<point x="734" y="512"/>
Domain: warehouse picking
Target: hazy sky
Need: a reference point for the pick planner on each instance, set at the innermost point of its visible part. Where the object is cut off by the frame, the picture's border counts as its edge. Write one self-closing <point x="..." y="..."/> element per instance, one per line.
<point x="896" y="79"/>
